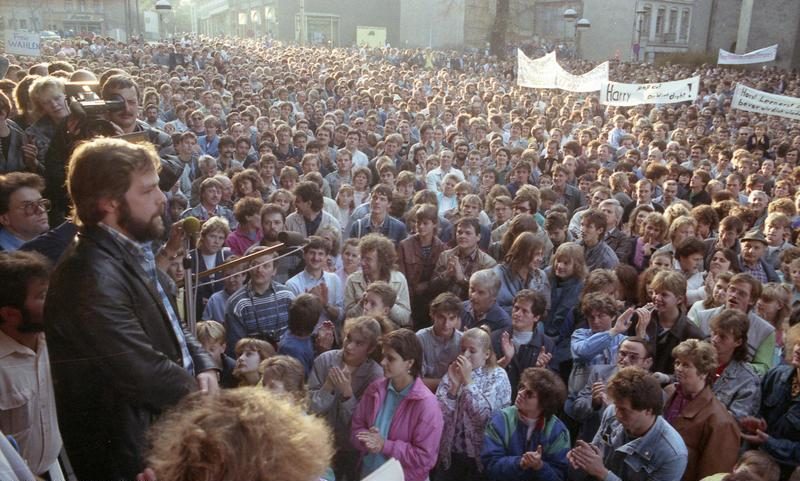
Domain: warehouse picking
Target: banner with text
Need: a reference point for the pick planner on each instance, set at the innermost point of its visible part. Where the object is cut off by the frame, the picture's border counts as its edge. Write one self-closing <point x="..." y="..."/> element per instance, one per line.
<point x="546" y="73"/>
<point x="752" y="100"/>
<point x="625" y="95"/>
<point x="20" y="42"/>
<point x="766" y="54"/>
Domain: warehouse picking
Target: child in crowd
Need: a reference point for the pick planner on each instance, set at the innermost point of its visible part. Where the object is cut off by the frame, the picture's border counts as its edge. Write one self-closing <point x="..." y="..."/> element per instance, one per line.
<point x="303" y="317"/>
<point x="250" y="352"/>
<point x="440" y="342"/>
<point x="211" y="335"/>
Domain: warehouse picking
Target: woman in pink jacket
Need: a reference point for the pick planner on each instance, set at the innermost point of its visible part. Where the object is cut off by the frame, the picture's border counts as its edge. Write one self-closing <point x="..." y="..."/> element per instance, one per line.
<point x="398" y="417"/>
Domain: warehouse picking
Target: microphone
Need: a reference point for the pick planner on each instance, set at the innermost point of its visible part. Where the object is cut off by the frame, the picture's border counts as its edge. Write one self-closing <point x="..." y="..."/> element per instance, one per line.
<point x="191" y="226"/>
<point x="292" y="239"/>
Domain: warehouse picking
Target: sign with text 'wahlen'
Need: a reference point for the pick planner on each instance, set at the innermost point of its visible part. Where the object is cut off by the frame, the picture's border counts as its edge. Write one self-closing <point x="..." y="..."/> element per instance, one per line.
<point x="20" y="42"/>
<point x="752" y="100"/>
<point x="625" y="95"/>
<point x="766" y="54"/>
<point x="546" y="73"/>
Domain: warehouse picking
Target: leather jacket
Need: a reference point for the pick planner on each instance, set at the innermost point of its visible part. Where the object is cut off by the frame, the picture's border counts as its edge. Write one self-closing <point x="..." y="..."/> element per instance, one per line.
<point x="116" y="361"/>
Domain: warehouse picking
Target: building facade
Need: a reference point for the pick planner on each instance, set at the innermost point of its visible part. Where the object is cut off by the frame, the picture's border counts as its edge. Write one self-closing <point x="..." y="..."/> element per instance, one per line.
<point x="745" y="25"/>
<point x="105" y="17"/>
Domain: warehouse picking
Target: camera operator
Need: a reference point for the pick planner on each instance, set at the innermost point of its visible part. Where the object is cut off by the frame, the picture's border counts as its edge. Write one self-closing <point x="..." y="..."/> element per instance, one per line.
<point x="120" y="95"/>
<point x="123" y="87"/>
<point x="49" y="105"/>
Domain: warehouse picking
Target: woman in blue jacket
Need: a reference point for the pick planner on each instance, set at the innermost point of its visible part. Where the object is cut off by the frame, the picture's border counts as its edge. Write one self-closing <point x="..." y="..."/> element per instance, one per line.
<point x="527" y="441"/>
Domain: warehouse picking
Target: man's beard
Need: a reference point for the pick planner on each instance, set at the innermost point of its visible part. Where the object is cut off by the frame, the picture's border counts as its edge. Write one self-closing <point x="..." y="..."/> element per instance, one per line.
<point x="140" y="231"/>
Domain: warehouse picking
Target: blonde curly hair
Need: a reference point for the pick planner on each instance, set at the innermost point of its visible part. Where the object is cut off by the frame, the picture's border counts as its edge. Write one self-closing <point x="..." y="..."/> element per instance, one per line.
<point x="239" y="434"/>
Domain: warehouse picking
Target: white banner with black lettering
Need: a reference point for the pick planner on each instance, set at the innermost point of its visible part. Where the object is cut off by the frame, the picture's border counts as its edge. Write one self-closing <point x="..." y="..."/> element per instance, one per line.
<point x="766" y="54"/>
<point x="752" y="100"/>
<point x="546" y="73"/>
<point x="625" y="95"/>
<point x="20" y="42"/>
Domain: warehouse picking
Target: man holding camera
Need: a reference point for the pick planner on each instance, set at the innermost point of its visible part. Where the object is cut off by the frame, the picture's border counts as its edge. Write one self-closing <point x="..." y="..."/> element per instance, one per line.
<point x="125" y="120"/>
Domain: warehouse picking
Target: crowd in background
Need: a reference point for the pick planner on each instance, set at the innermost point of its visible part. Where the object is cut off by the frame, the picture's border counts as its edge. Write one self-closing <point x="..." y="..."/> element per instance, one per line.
<point x="495" y="283"/>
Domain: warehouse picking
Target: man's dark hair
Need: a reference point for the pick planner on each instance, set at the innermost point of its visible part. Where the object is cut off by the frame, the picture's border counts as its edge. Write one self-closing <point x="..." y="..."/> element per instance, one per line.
<point x="639" y="387"/>
<point x="118" y="82"/>
<point x="689" y="246"/>
<point x="317" y="242"/>
<point x="17" y="270"/>
<point x="14" y="181"/>
<point x="226" y="140"/>
<point x="468" y="222"/>
<point x="537" y="300"/>
<point x="446" y="302"/>
<point x="310" y="192"/>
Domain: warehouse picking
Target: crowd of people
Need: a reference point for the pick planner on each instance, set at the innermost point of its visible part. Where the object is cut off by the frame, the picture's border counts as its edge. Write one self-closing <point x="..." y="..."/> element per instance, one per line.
<point x="492" y="283"/>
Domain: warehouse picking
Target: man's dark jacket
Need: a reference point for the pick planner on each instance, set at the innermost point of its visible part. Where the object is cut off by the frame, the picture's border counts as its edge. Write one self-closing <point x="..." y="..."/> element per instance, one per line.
<point x="115" y="360"/>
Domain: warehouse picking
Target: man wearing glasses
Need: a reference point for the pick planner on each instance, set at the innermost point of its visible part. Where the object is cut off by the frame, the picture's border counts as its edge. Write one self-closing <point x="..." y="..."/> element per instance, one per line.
<point x="587" y="406"/>
<point x="23" y="211"/>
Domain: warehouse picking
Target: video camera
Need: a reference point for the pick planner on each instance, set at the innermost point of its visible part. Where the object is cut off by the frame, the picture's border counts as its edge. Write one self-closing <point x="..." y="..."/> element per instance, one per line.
<point x="85" y="104"/>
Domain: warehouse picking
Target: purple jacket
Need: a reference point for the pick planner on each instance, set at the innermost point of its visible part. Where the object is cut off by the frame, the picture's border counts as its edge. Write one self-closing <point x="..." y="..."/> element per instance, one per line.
<point x="416" y="427"/>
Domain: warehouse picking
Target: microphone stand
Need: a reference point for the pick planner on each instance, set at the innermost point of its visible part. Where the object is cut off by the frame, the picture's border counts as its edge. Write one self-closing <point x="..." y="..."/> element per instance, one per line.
<point x="188" y="288"/>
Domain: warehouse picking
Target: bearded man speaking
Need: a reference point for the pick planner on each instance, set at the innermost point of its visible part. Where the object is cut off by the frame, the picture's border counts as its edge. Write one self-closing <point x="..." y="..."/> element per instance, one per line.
<point x="119" y="354"/>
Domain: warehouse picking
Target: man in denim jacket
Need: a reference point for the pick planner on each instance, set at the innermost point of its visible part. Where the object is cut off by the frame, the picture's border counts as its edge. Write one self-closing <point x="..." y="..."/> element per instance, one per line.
<point x="634" y="442"/>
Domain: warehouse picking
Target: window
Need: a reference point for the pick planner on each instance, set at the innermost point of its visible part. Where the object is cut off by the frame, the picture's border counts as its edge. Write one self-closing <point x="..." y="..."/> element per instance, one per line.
<point x="684" y="32"/>
<point x="23" y="24"/>
<point x="644" y="26"/>
<point x="98" y="6"/>
<point x="673" y="22"/>
<point x="69" y="5"/>
<point x="660" y="17"/>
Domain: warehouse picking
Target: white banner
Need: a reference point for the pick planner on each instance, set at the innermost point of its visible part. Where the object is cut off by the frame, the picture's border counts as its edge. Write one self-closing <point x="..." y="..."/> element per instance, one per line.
<point x="752" y="100"/>
<point x="19" y="42"/>
<point x="536" y="74"/>
<point x="615" y="93"/>
<point x="766" y="54"/>
<point x="546" y="73"/>
<point x="588" y="82"/>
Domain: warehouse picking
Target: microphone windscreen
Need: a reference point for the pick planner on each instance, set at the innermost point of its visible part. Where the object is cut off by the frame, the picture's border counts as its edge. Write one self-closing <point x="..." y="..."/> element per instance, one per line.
<point x="291" y="238"/>
<point x="191" y="226"/>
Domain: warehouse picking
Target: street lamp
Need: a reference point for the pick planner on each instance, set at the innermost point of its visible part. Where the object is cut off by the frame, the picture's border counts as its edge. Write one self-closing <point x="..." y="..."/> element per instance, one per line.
<point x="570" y="15"/>
<point x="580" y="26"/>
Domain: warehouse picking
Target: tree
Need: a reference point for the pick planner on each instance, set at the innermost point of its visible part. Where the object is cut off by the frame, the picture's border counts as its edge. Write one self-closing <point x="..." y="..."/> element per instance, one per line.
<point x="497" y="39"/>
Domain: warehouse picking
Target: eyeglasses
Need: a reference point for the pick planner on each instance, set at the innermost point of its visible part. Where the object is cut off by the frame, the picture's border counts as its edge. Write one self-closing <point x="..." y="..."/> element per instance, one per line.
<point x="527" y="392"/>
<point x="33" y="208"/>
